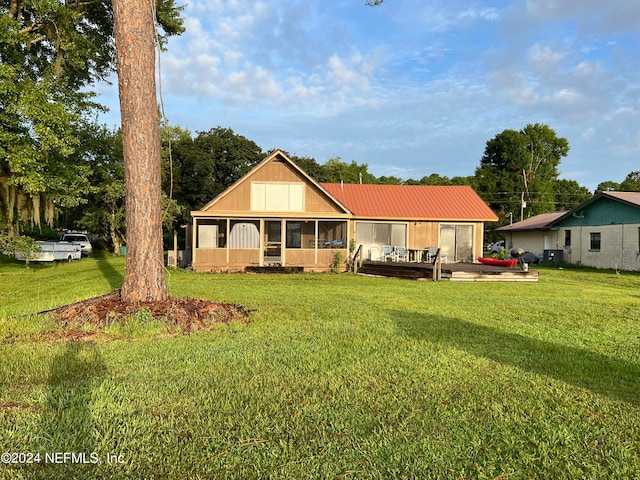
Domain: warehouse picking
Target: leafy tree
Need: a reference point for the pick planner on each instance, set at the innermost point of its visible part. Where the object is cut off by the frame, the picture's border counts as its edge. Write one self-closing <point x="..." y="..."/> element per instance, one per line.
<point x="335" y="170"/>
<point x="105" y="211"/>
<point x="631" y="183"/>
<point x="608" y="186"/>
<point x="389" y="180"/>
<point x="27" y="245"/>
<point x="206" y="165"/>
<point x="312" y="168"/>
<point x="520" y="167"/>
<point x="437" y="179"/>
<point x="570" y="194"/>
<point x="170" y="137"/>
<point x="50" y="52"/>
<point x="339" y="171"/>
<point x="458" y="180"/>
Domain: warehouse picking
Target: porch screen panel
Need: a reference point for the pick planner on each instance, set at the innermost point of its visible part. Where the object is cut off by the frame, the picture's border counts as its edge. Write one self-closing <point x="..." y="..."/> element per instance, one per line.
<point x="308" y="235"/>
<point x="301" y="234"/>
<point x="331" y="231"/>
<point x="294" y="235"/>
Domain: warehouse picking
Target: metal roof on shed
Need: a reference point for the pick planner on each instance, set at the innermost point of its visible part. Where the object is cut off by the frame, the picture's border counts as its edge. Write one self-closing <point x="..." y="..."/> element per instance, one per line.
<point x="538" y="222"/>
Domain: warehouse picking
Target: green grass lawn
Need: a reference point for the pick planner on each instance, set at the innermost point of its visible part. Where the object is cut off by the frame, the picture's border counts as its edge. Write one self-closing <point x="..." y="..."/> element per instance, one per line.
<point x="335" y="376"/>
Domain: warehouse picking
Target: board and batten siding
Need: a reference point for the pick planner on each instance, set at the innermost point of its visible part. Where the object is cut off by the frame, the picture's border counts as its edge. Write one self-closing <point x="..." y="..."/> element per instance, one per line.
<point x="278" y="176"/>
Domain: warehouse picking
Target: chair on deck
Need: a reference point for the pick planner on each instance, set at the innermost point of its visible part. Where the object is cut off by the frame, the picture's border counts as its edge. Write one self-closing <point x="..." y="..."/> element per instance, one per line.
<point x="401" y="254"/>
<point x="386" y="253"/>
<point x="431" y="252"/>
<point x="374" y="253"/>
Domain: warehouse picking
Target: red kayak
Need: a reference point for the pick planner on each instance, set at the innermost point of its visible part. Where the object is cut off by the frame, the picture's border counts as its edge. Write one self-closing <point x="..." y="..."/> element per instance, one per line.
<point x="501" y="263"/>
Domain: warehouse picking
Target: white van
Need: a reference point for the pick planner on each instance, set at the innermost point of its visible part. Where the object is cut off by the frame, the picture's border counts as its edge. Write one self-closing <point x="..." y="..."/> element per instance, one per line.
<point x="52" y="251"/>
<point x="79" y="239"/>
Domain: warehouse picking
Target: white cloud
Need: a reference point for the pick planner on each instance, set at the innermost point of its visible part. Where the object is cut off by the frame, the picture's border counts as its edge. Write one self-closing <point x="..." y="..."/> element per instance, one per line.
<point x="565" y="96"/>
<point x="438" y="17"/>
<point x="345" y="76"/>
<point x="544" y="58"/>
<point x="589" y="133"/>
<point x="411" y="85"/>
<point x="613" y="15"/>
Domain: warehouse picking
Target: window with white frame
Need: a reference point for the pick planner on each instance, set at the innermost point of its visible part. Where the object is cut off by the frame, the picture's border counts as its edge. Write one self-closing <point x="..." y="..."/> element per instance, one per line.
<point x="277" y="197"/>
<point x="594" y="241"/>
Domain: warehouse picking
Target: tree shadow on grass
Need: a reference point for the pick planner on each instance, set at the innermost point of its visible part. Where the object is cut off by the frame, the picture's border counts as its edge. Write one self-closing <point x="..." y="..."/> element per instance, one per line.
<point x="613" y="377"/>
<point x="110" y="273"/>
<point x="67" y="424"/>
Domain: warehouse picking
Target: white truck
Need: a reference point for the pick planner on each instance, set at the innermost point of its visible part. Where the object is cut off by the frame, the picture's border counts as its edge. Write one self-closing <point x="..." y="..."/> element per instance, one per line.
<point x="52" y="251"/>
<point x="79" y="239"/>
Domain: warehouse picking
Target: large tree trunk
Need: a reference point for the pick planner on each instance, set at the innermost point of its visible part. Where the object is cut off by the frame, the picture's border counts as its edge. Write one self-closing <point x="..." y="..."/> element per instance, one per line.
<point x="134" y="33"/>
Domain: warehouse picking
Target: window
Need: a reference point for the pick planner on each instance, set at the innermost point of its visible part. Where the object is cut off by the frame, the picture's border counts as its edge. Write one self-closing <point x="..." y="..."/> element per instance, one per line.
<point x="567" y="238"/>
<point x="594" y="244"/>
<point x="277" y="197"/>
<point x="394" y="234"/>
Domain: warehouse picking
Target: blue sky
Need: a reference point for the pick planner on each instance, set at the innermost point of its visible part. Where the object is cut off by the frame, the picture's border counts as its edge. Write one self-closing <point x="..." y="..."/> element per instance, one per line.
<point x="412" y="87"/>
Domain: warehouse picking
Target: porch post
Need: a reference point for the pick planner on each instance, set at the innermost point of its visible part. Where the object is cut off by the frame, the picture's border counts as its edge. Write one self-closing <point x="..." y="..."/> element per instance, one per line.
<point x="227" y="233"/>
<point x="283" y="242"/>
<point x="194" y="237"/>
<point x="175" y="249"/>
<point x="261" y="257"/>
<point x="315" y="241"/>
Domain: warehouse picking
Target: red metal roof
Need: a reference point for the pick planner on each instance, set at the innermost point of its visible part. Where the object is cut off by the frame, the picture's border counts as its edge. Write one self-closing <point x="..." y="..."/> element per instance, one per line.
<point x="409" y="202"/>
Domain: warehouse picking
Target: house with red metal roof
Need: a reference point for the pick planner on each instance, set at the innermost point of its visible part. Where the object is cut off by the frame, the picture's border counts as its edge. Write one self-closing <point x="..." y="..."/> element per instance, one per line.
<point x="277" y="215"/>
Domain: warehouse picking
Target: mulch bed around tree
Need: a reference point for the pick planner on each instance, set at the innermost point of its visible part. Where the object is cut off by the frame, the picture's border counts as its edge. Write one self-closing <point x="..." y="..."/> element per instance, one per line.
<point x="182" y="315"/>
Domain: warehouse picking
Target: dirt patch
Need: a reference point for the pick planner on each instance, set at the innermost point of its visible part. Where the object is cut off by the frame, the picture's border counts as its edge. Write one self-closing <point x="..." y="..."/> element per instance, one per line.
<point x="82" y="321"/>
<point x="18" y="406"/>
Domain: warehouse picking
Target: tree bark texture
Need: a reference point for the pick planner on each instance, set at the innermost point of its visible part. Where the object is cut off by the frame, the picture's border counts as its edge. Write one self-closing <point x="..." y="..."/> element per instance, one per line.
<point x="134" y="34"/>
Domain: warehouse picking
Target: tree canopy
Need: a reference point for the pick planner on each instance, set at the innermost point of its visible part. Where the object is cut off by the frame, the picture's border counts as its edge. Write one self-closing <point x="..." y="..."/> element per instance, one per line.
<point x="631" y="183"/>
<point x="51" y="52"/>
<point x="569" y="194"/>
<point x="209" y="163"/>
<point x="519" y="169"/>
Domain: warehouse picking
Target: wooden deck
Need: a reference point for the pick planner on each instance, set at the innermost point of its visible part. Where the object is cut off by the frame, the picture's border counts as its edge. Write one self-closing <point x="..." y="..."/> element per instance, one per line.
<point x="457" y="272"/>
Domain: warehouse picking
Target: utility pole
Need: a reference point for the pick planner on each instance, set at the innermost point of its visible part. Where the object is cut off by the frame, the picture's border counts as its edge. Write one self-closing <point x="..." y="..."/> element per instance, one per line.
<point x="523" y="204"/>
